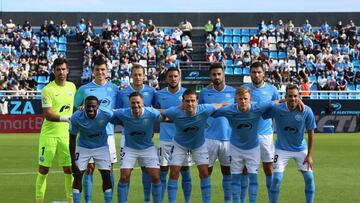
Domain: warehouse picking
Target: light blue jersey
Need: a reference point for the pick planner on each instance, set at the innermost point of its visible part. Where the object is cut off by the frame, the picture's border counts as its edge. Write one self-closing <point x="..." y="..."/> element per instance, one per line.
<point x="290" y="126"/>
<point x="138" y="131"/>
<point x="164" y="100"/>
<point x="147" y="92"/>
<point x="92" y="131"/>
<point x="244" y="124"/>
<point x="265" y="93"/>
<point x="190" y="129"/>
<point x="107" y="95"/>
<point x="218" y="128"/>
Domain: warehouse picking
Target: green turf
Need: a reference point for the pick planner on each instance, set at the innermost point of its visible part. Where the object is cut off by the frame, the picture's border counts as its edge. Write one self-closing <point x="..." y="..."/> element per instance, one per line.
<point x="336" y="160"/>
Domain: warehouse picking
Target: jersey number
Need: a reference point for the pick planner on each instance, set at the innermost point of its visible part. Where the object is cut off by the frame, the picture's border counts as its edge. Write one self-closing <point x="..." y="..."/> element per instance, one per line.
<point x="77" y="156"/>
<point x="276" y="158"/>
<point x="42" y="151"/>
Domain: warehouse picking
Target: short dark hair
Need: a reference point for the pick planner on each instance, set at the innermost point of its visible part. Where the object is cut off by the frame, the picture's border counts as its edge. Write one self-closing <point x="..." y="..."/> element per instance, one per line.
<point x="292" y="87"/>
<point x="137" y="66"/>
<point x="100" y="61"/>
<point x="136" y="94"/>
<point x="59" y="61"/>
<point x="257" y="64"/>
<point x="189" y="92"/>
<point x="91" y="97"/>
<point x="215" y="66"/>
<point x="170" y="70"/>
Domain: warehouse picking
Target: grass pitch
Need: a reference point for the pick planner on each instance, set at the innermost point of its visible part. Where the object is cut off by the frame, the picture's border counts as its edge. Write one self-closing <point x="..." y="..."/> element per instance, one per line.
<point x="336" y="168"/>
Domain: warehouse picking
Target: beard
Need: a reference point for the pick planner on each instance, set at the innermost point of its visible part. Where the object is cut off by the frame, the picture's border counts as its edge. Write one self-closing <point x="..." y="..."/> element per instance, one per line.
<point x="173" y="86"/>
<point x="217" y="82"/>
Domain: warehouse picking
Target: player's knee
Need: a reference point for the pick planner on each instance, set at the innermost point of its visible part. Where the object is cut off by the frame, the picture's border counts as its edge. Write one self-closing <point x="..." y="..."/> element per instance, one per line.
<point x="203" y="173"/>
<point x="124" y="178"/>
<point x="174" y="174"/>
<point x="268" y="169"/>
<point x="155" y="178"/>
<point x="67" y="170"/>
<point x="225" y="170"/>
<point x="43" y="170"/>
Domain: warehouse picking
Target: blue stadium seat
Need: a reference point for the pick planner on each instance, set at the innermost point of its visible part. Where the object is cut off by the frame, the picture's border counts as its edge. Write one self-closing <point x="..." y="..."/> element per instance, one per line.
<point x="358" y="37"/>
<point x="238" y="70"/>
<point x="253" y="32"/>
<point x="228" y="63"/>
<point x="219" y="39"/>
<point x="312" y="78"/>
<point x="343" y="95"/>
<point x="40" y="87"/>
<point x="357" y="87"/>
<point x="324" y="95"/>
<point x="36" y="30"/>
<point x="229" y="71"/>
<point x="236" y="32"/>
<point x="62" y="40"/>
<point x="46" y="39"/>
<point x="356" y="63"/>
<point x="42" y="79"/>
<point x="228" y="39"/>
<point x="98" y="31"/>
<point x="356" y="69"/>
<point x="168" y="31"/>
<point x="313" y="88"/>
<point x="354" y="95"/>
<point x="246" y="70"/>
<point x="351" y="87"/>
<point x="266" y="53"/>
<point x="313" y="95"/>
<point x="245" y="39"/>
<point x="62" y="48"/>
<point x="273" y="55"/>
<point x="236" y="39"/>
<point x="245" y="32"/>
<point x="227" y="32"/>
<point x="281" y="55"/>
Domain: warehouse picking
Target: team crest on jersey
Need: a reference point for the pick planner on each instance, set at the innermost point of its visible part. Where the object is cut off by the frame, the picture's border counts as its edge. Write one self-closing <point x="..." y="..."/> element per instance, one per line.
<point x="298" y="117"/>
<point x="264" y="93"/>
<point x="42" y="159"/>
<point x="70" y="93"/>
<point x="146" y="93"/>
<point x="101" y="122"/>
<point x="180" y="97"/>
<point x="228" y="95"/>
<point x="146" y="121"/>
<point x="109" y="89"/>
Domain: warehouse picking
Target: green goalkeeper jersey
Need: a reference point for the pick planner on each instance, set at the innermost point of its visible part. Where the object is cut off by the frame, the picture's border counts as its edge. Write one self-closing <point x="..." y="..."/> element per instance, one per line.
<point x="61" y="100"/>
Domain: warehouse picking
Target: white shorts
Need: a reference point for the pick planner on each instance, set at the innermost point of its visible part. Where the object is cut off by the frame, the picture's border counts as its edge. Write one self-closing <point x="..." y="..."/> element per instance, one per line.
<point x="267" y="148"/>
<point x="218" y="149"/>
<point x="241" y="158"/>
<point x="147" y="157"/>
<point x="112" y="149"/>
<point x="282" y="158"/>
<point x="164" y="153"/>
<point x="101" y="157"/>
<point x="179" y="154"/>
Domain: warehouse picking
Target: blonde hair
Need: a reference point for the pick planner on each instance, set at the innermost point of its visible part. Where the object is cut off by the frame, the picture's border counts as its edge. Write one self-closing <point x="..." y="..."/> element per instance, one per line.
<point x="242" y="90"/>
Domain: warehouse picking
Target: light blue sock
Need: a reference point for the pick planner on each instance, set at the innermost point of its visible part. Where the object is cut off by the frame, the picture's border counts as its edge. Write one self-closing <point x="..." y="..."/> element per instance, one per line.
<point x="268" y="185"/>
<point x="108" y="196"/>
<point x="122" y="192"/>
<point x="127" y="191"/>
<point x="112" y="178"/>
<point x="87" y="186"/>
<point x="186" y="184"/>
<point x="76" y="197"/>
<point x="244" y="188"/>
<point x="253" y="187"/>
<point x="205" y="189"/>
<point x="236" y="187"/>
<point x="226" y="184"/>
<point x="172" y="190"/>
<point x="163" y="175"/>
<point x="156" y="192"/>
<point x="309" y="186"/>
<point x="146" y="181"/>
<point x="275" y="186"/>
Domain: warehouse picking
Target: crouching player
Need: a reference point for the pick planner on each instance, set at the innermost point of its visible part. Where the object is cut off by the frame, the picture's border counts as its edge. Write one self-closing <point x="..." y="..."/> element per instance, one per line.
<point x="244" y="142"/>
<point x="138" y="122"/>
<point x="92" y="143"/>
<point x="290" y="144"/>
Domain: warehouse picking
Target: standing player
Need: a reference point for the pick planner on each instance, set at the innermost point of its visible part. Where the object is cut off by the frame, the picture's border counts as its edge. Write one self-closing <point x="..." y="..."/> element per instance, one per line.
<point x="190" y="122"/>
<point x="262" y="92"/>
<point x="92" y="144"/>
<point x="138" y="77"/>
<point x="244" y="149"/>
<point x="290" y="144"/>
<point x="57" y="100"/>
<point x="138" y="122"/>
<point x="106" y="92"/>
<point x="218" y="133"/>
<point x="165" y="98"/>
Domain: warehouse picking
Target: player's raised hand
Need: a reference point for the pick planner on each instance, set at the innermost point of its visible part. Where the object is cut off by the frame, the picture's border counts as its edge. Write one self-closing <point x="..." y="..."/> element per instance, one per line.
<point x="210" y="86"/>
<point x="309" y="161"/>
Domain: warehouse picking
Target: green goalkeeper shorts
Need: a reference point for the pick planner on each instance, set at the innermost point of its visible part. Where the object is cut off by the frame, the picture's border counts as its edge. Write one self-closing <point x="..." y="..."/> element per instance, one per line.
<point x="49" y="147"/>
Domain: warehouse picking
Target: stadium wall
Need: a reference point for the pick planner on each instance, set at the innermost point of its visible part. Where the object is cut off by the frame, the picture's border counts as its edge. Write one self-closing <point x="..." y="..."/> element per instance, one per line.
<point x="25" y="116"/>
<point x="173" y="19"/>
